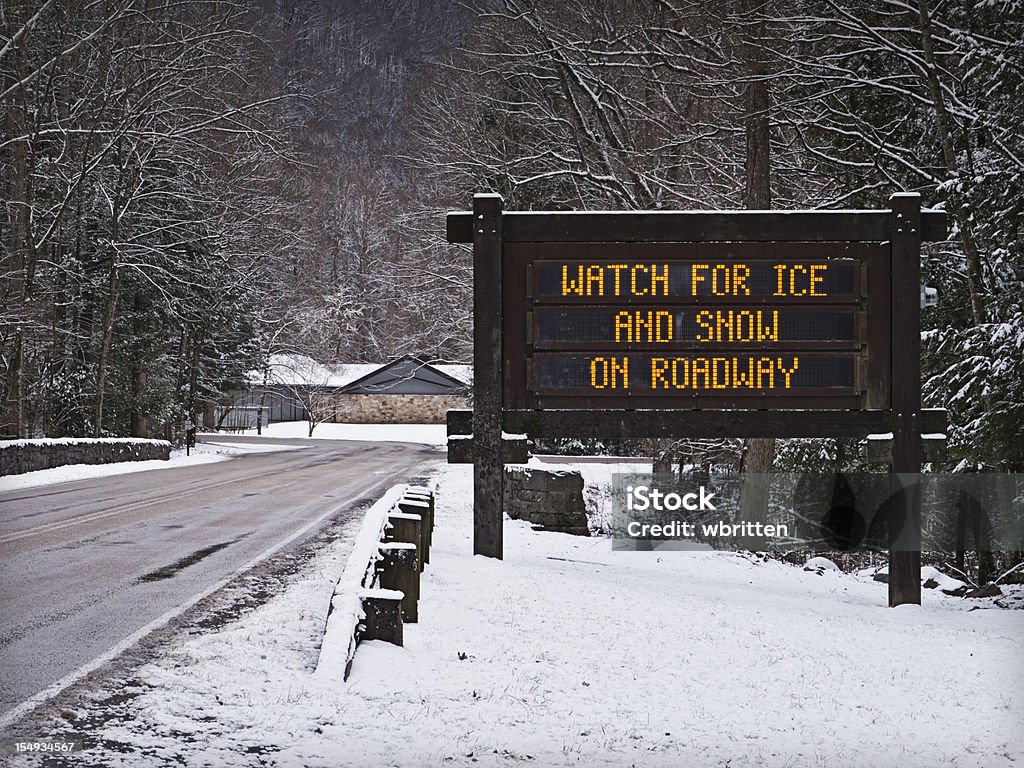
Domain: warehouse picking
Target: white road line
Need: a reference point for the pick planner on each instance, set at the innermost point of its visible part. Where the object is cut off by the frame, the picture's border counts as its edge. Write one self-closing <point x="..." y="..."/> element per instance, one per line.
<point x="45" y="695"/>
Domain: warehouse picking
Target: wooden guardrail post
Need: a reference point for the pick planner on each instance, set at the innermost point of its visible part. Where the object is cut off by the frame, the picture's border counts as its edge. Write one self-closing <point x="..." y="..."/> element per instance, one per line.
<point x="425" y="495"/>
<point x="379" y="589"/>
<point x="404" y="527"/>
<point x="421" y="508"/>
<point x="383" y="610"/>
<point x="398" y="570"/>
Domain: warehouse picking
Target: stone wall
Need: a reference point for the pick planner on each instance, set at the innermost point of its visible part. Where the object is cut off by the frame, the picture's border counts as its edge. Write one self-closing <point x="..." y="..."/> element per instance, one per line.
<point x="551" y="499"/>
<point x="395" y="409"/>
<point x="18" y="456"/>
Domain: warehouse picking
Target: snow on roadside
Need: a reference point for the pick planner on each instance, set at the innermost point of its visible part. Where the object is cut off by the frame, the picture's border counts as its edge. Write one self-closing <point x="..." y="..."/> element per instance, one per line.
<point x="46" y="441"/>
<point x="203" y="453"/>
<point x="567" y="653"/>
<point x="428" y="434"/>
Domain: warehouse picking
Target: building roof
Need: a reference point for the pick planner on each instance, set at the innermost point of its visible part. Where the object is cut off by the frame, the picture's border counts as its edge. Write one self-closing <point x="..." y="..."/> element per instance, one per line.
<point x="406" y="376"/>
<point x="300" y="370"/>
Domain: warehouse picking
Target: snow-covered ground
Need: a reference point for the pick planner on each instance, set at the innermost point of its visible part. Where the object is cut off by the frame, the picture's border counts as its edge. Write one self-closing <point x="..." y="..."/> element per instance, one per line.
<point x="203" y="453"/>
<point x="427" y="434"/>
<point x="567" y="653"/>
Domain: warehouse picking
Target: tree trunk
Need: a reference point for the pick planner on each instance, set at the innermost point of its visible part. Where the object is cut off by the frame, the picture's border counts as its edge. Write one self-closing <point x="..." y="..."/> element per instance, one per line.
<point x="139" y="423"/>
<point x="107" y="335"/>
<point x="14" y="411"/>
<point x="757" y="455"/>
<point x="758" y="190"/>
<point x="170" y="428"/>
<point x="661" y="456"/>
<point x="16" y="191"/>
<point x="263" y="395"/>
<point x="193" y="378"/>
<point x="960" y="212"/>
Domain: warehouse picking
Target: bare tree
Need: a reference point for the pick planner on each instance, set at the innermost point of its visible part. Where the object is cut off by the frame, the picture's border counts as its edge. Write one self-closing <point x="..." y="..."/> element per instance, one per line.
<point x="135" y="148"/>
<point x="309" y="382"/>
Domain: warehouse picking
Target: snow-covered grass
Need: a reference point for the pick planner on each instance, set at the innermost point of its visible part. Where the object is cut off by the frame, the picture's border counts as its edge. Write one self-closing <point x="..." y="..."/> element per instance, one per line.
<point x="427" y="434"/>
<point x="203" y="453"/>
<point x="567" y="653"/>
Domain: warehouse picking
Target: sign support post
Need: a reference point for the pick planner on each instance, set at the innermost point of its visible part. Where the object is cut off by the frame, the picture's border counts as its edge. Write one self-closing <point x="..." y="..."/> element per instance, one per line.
<point x="488" y="467"/>
<point x="905" y="508"/>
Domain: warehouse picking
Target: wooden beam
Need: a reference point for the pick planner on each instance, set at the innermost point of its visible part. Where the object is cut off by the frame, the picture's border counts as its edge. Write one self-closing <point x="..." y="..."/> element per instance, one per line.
<point x="677" y="423"/>
<point x="459" y="422"/>
<point x="694" y="226"/>
<point x="879" y="450"/>
<point x="513" y="450"/>
<point x="934" y="421"/>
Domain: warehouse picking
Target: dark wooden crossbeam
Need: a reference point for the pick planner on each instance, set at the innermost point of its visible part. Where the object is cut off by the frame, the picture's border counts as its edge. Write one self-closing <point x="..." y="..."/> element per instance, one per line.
<point x="677" y="423"/>
<point x="694" y="226"/>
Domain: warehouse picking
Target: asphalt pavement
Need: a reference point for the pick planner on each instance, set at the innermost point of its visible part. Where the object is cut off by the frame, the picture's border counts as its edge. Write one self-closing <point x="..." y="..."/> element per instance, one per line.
<point x="86" y="565"/>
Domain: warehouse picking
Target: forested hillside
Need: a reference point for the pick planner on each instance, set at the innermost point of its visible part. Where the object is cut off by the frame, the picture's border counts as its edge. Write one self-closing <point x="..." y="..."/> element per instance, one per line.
<point x="189" y="188"/>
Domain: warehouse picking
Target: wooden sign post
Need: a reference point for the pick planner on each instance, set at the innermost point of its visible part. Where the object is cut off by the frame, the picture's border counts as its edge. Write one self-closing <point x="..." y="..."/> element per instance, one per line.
<point x="488" y="466"/>
<point x="905" y="513"/>
<point x="695" y="324"/>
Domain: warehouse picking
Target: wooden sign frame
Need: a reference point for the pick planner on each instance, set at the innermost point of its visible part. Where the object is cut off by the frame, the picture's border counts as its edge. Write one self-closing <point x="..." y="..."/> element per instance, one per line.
<point x="887" y="241"/>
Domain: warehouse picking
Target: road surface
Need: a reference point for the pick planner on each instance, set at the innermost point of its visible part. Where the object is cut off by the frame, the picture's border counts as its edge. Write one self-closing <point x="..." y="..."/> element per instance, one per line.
<point x="85" y="564"/>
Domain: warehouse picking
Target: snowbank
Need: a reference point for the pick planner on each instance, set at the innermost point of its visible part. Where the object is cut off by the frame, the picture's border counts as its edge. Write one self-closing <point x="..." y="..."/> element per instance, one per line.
<point x="426" y="434"/>
<point x="568" y="654"/>
<point x="203" y="453"/>
<point x="47" y="441"/>
<point x="339" y="642"/>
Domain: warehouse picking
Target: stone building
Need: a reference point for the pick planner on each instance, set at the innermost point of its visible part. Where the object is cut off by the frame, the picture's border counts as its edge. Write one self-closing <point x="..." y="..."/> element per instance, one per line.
<point x="404" y="391"/>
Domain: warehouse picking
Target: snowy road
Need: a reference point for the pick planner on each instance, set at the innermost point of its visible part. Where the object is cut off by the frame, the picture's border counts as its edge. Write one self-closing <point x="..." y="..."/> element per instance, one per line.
<point x="85" y="565"/>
